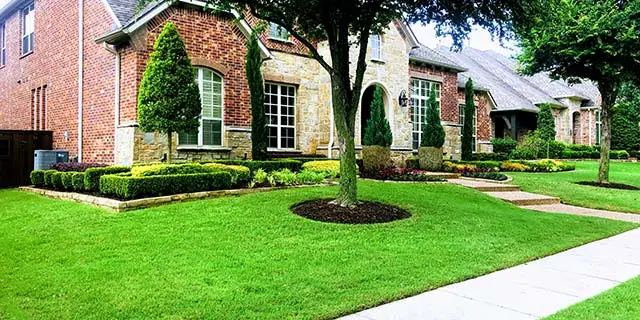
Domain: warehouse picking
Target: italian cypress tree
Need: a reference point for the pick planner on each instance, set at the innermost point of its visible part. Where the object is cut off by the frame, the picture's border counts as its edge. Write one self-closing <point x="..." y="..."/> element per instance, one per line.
<point x="259" y="129"/>
<point x="432" y="132"/>
<point x="469" y="115"/>
<point x="169" y="98"/>
<point x="546" y="127"/>
<point x="378" y="131"/>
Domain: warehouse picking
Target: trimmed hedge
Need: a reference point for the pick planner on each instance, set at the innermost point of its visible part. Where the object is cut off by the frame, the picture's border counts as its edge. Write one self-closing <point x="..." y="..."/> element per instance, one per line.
<point x="37" y="178"/>
<point x="92" y="176"/>
<point x="504" y="145"/>
<point x="268" y="166"/>
<point x="240" y="175"/>
<point x="330" y="168"/>
<point x="168" y="169"/>
<point x="48" y="178"/>
<point x="67" y="180"/>
<point x="496" y="156"/>
<point x="56" y="180"/>
<point x="77" y="181"/>
<point x="127" y="187"/>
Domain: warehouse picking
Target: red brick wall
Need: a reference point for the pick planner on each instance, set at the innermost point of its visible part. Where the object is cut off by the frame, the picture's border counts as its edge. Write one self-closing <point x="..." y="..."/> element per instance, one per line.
<point x="214" y="38"/>
<point x="53" y="63"/>
<point x="484" y="130"/>
<point x="449" y="89"/>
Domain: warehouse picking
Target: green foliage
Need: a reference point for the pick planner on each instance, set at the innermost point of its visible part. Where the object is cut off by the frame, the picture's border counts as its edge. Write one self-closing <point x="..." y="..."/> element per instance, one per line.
<point x="378" y="131"/>
<point x="534" y="147"/>
<point x="268" y="166"/>
<point x="169" y="98"/>
<point x="625" y="133"/>
<point x="329" y="168"/>
<point x="37" y="178"/>
<point x="77" y="181"/>
<point x="67" y="180"/>
<point x="467" y="128"/>
<point x="432" y="133"/>
<point x="92" y="176"/>
<point x="259" y="129"/>
<point x="546" y="127"/>
<point x="168" y="169"/>
<point x="486" y="175"/>
<point x="284" y="177"/>
<point x="490" y="156"/>
<point x="127" y="187"/>
<point x="240" y="175"/>
<point x="260" y="176"/>
<point x="504" y="145"/>
<point x="309" y="177"/>
<point x="56" y="180"/>
<point x="48" y="178"/>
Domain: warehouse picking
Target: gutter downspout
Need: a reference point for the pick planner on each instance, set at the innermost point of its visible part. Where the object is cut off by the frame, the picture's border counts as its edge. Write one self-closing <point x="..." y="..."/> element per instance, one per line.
<point x="80" y="73"/>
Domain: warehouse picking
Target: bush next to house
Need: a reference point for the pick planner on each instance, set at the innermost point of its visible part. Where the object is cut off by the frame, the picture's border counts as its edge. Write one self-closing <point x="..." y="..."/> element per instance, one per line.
<point x="37" y="178"/>
<point x="504" y="145"/>
<point x="75" y="166"/>
<point x="92" y="176"/>
<point x="48" y="178"/>
<point x="404" y="174"/>
<point x="77" y="181"/>
<point x="259" y="129"/>
<point x="545" y="165"/>
<point x="268" y="166"/>
<point x="127" y="187"/>
<point x="492" y="156"/>
<point x="467" y="126"/>
<point x="67" y="180"/>
<point x="240" y="175"/>
<point x="330" y="168"/>
<point x="56" y="180"/>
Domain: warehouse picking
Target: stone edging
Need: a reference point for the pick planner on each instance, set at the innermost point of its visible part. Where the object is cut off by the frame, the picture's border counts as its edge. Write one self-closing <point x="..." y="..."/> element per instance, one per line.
<point x="130" y="205"/>
<point x="509" y="179"/>
<point x="393" y="181"/>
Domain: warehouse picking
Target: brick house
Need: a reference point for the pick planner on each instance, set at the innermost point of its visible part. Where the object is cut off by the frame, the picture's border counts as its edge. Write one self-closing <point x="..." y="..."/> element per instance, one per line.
<point x="76" y="71"/>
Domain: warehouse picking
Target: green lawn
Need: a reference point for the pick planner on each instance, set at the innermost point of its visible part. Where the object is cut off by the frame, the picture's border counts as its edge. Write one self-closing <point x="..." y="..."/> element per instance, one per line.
<point x="619" y="303"/>
<point x="562" y="185"/>
<point x="248" y="257"/>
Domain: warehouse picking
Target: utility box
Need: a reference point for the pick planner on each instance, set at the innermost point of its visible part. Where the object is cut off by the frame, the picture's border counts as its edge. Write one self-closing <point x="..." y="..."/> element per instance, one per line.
<point x="44" y="159"/>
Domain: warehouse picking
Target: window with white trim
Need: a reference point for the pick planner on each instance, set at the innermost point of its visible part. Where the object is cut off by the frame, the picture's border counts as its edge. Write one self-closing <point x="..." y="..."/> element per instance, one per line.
<point x="278" y="32"/>
<point x="3" y="45"/>
<point x="28" y="29"/>
<point x="420" y="91"/>
<point x="475" y="126"/>
<point x="598" y="126"/>
<point x="280" y="109"/>
<point x="376" y="46"/>
<point x="211" y="94"/>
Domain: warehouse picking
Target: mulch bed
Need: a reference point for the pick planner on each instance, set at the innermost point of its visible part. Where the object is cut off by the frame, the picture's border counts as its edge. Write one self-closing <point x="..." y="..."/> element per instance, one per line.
<point x="365" y="213"/>
<point x="620" y="186"/>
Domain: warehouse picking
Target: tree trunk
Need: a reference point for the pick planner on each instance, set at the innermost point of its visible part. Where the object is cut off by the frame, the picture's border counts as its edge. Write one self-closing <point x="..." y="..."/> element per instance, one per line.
<point x="609" y="95"/>
<point x="344" y="115"/>
<point x="169" y="136"/>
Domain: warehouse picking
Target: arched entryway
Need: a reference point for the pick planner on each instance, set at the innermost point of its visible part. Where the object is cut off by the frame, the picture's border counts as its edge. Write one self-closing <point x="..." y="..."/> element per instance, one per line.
<point x="365" y="107"/>
<point x="577" y="132"/>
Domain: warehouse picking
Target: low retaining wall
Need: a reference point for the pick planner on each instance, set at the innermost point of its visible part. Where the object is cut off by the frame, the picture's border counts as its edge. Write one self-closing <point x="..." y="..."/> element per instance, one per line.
<point x="130" y="205"/>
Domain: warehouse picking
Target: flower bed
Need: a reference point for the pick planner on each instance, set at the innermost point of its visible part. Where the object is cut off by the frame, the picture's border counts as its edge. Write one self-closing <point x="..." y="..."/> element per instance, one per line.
<point x="546" y="165"/>
<point x="497" y="176"/>
<point x="403" y="174"/>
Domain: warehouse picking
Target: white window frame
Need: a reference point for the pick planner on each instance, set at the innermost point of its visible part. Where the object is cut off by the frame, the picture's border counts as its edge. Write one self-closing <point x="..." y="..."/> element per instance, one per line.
<point x="375" y="42"/>
<point x="27" y="11"/>
<point x="279" y="115"/>
<point x="598" y="114"/>
<point x="418" y="100"/>
<point x="277" y="32"/>
<point x="199" y="78"/>
<point x="461" y="108"/>
<point x="3" y="45"/>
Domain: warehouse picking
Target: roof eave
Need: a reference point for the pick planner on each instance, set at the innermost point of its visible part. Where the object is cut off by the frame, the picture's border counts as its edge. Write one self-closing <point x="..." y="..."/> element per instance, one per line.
<point x="438" y="64"/>
<point x="10" y="7"/>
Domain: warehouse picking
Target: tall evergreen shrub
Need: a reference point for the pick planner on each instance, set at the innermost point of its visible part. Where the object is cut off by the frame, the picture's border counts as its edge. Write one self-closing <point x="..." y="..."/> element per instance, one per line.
<point x="378" y="131"/>
<point x="432" y="132"/>
<point x="467" y="129"/>
<point x="259" y="129"/>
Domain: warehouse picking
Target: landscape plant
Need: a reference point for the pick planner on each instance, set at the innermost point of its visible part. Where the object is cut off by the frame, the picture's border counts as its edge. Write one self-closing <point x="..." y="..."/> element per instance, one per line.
<point x="169" y="98"/>
<point x="433" y="136"/>
<point x="259" y="129"/>
<point x="467" y="126"/>
<point x="376" y="149"/>
<point x="598" y="40"/>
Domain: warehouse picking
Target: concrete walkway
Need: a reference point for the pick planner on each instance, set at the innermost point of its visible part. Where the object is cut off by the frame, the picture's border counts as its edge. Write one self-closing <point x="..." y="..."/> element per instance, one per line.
<point x="511" y="193"/>
<point x="529" y="291"/>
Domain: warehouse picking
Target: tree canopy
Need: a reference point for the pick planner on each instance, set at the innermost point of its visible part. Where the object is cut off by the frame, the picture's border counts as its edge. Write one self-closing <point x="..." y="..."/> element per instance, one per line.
<point x="586" y="39"/>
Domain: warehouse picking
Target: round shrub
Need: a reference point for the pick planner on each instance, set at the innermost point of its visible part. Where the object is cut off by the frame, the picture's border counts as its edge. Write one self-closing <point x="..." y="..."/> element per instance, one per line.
<point x="56" y="180"/>
<point x="67" y="180"/>
<point x="77" y="181"/>
<point x="37" y="178"/>
<point x="48" y="178"/>
<point x="331" y="168"/>
<point x="504" y="145"/>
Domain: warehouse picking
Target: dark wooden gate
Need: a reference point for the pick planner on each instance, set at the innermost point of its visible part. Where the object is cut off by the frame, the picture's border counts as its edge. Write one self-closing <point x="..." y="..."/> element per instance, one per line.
<point x="16" y="154"/>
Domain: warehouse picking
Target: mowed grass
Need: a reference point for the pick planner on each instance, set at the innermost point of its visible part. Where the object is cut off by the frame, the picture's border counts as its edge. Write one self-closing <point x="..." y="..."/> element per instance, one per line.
<point x="248" y="257"/>
<point x="619" y="303"/>
<point x="562" y="185"/>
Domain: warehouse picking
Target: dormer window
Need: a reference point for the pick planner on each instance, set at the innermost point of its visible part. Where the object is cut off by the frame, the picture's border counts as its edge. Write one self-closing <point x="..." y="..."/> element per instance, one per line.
<point x="277" y="32"/>
<point x="28" y="29"/>
<point x="376" y="46"/>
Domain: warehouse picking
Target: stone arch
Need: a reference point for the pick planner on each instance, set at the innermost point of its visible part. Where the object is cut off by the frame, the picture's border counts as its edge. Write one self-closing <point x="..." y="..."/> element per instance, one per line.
<point x="204" y="62"/>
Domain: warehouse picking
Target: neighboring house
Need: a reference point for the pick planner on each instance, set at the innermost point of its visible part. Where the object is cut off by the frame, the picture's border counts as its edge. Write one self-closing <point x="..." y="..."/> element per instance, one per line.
<point x="576" y="108"/>
<point x="74" y="67"/>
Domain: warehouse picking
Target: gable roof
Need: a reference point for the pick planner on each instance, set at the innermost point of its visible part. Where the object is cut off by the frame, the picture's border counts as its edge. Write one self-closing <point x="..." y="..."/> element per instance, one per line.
<point x="123" y="9"/>
<point x="512" y="91"/>
<point x="429" y="56"/>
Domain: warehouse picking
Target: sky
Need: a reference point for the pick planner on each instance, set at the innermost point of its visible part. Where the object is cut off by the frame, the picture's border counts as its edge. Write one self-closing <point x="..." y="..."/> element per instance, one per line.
<point x="478" y="39"/>
<point x="3" y="2"/>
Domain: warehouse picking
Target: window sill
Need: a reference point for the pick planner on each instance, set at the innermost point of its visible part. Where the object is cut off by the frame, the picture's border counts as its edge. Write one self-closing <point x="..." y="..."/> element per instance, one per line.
<point x="26" y="54"/>
<point x="283" y="150"/>
<point x="202" y="148"/>
<point x="285" y="41"/>
<point x="380" y="61"/>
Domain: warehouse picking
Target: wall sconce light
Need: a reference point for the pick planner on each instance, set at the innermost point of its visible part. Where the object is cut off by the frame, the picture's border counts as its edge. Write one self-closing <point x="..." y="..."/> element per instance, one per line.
<point x="402" y="99"/>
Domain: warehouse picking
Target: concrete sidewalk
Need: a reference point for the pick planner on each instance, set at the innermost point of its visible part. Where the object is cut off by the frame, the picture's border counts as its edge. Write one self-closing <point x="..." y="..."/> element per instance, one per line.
<point x="529" y="291"/>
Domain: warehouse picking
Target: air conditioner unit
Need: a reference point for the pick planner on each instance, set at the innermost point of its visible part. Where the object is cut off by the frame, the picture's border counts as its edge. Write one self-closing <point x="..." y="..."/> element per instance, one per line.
<point x="44" y="159"/>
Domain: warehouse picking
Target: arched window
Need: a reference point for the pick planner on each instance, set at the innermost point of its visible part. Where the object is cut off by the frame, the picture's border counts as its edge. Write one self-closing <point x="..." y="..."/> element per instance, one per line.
<point x="211" y="95"/>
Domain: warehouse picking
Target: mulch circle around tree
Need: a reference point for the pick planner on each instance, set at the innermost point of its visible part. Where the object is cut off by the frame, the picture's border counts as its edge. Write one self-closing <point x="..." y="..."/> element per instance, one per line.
<point x="365" y="213"/>
<point x="620" y="186"/>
